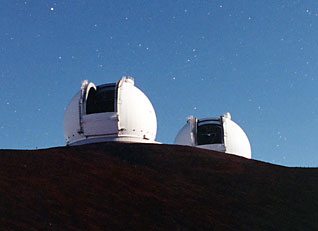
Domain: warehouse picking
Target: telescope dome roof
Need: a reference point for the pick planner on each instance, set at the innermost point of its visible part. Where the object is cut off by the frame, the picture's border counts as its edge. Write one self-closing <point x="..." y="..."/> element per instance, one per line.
<point x="110" y="112"/>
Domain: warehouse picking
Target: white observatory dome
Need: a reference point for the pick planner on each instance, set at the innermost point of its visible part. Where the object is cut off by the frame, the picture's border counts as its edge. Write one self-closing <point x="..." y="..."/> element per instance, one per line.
<point x="219" y="134"/>
<point x="110" y="112"/>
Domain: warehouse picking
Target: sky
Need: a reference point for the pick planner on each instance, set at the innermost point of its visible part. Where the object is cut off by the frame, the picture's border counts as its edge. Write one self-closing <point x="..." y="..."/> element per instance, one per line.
<point x="257" y="60"/>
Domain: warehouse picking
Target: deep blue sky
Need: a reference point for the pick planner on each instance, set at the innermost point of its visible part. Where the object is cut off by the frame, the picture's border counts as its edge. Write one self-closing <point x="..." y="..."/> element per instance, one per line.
<point x="256" y="59"/>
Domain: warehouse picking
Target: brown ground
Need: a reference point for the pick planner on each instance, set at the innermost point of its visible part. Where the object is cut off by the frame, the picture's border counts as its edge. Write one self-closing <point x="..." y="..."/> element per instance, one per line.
<point x="116" y="186"/>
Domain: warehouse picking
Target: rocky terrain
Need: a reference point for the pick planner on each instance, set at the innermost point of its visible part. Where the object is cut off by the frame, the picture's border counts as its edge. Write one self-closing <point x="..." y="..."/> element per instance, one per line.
<point x="117" y="186"/>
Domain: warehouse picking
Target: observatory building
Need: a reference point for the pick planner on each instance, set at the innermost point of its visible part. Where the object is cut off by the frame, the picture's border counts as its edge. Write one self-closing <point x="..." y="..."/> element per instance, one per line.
<point x="219" y="134"/>
<point x="110" y="112"/>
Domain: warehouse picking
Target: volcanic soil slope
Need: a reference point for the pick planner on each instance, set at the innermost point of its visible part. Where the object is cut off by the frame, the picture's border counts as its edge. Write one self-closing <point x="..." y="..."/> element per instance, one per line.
<point x="115" y="186"/>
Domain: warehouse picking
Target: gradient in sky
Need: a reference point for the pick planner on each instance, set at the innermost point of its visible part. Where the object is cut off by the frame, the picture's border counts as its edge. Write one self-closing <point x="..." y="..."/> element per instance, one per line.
<point x="257" y="60"/>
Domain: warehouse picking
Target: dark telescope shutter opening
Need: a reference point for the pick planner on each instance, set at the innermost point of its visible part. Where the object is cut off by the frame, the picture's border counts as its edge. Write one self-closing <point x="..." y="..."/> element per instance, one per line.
<point x="101" y="100"/>
<point x="209" y="134"/>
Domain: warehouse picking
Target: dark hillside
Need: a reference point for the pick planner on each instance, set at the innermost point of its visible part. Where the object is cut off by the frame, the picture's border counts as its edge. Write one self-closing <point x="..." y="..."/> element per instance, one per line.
<point x="115" y="186"/>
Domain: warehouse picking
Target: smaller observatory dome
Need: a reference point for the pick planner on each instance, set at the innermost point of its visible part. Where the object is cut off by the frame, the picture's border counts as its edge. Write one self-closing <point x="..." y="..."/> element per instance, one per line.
<point x="110" y="112"/>
<point x="219" y="134"/>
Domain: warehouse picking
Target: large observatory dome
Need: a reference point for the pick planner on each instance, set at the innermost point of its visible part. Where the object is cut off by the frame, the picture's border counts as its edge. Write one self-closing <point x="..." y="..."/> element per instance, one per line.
<point x="219" y="134"/>
<point x="110" y="112"/>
